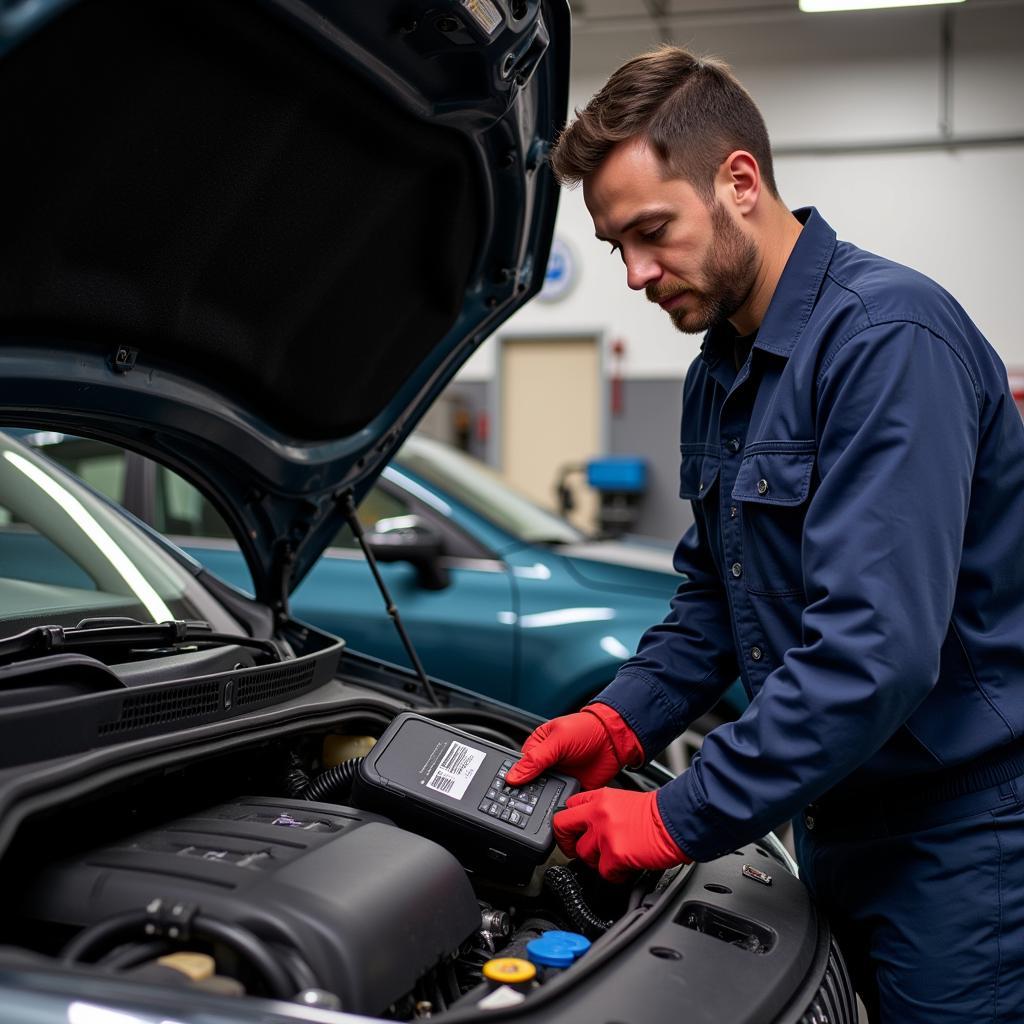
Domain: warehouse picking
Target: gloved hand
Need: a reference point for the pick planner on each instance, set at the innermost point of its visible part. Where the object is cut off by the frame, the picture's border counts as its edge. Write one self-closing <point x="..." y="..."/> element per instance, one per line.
<point x="591" y="745"/>
<point x="617" y="831"/>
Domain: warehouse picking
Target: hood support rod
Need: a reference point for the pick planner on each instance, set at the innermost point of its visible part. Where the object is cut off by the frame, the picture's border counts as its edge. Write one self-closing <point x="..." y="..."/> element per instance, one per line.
<point x="357" y="531"/>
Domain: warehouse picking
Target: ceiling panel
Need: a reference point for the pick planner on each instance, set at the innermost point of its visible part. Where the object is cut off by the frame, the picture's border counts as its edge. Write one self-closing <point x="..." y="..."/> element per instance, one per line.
<point x="618" y="9"/>
<point x="717" y="6"/>
<point x="608" y="8"/>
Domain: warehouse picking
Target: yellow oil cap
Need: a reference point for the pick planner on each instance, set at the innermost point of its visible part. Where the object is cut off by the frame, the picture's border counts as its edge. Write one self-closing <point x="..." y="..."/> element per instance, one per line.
<point x="509" y="970"/>
<point x="195" y="966"/>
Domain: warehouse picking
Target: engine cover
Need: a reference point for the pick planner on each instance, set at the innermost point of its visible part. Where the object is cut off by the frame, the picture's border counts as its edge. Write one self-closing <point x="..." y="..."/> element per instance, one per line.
<point x="368" y="906"/>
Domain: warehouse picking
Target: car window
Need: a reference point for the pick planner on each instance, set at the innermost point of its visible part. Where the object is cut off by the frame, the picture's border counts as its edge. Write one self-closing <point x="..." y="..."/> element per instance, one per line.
<point x="100" y="465"/>
<point x="66" y="555"/>
<point x="480" y="489"/>
<point x="28" y="555"/>
<point x="180" y="510"/>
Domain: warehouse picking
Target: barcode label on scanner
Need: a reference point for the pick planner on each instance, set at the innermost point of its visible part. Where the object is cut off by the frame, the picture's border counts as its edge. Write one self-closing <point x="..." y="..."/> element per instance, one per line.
<point x="456" y="770"/>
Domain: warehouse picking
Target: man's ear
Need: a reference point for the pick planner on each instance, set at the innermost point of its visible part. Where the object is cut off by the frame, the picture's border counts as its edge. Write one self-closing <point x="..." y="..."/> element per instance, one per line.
<point x="738" y="182"/>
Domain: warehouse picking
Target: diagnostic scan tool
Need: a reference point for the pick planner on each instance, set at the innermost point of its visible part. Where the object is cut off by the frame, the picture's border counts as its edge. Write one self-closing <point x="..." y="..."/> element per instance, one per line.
<point x="451" y="786"/>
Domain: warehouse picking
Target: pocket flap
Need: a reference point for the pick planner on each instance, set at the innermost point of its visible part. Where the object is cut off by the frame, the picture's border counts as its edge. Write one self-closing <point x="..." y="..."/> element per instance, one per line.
<point x="698" y="470"/>
<point x="775" y="477"/>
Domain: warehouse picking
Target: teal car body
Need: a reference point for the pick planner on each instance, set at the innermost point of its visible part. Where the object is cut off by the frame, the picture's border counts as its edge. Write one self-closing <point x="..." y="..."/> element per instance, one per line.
<point x="533" y="613"/>
<point x="540" y="625"/>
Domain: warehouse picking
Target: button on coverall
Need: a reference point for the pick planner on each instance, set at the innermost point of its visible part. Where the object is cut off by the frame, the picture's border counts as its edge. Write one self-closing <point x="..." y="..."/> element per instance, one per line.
<point x="857" y="558"/>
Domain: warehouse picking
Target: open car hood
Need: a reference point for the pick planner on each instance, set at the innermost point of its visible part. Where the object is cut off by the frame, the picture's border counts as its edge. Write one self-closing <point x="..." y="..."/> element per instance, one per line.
<point x="254" y="239"/>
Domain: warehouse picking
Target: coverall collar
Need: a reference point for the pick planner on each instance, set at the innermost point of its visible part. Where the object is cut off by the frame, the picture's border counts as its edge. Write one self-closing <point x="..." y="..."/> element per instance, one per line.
<point x="794" y="296"/>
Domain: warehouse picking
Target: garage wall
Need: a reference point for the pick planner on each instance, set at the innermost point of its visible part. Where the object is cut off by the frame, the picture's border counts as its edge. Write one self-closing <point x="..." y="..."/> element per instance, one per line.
<point x="957" y="215"/>
<point x="871" y="84"/>
<point x="649" y="426"/>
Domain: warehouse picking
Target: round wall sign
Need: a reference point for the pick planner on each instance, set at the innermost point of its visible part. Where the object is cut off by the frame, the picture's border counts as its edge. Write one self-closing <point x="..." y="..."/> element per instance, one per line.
<point x="560" y="275"/>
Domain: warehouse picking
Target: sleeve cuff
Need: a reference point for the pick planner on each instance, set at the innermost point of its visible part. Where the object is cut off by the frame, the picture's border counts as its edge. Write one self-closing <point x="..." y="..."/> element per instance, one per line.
<point x="692" y="823"/>
<point x="644" y="707"/>
<point x="628" y="749"/>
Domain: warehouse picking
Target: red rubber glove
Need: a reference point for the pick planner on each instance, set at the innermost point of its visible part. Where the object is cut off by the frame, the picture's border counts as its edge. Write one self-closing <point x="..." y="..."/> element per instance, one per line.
<point x="592" y="745"/>
<point x="617" y="831"/>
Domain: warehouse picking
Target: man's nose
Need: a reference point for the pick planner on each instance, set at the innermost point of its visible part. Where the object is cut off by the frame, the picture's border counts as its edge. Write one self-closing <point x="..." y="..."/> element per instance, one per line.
<point x="641" y="271"/>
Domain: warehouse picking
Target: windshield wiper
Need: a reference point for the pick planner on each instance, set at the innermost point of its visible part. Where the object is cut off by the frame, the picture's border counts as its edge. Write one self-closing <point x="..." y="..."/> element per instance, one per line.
<point x="91" y="634"/>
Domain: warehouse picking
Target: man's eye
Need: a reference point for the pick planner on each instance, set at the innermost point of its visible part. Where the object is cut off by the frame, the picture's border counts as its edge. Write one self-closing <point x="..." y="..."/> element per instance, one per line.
<point x="654" y="234"/>
<point x="614" y="249"/>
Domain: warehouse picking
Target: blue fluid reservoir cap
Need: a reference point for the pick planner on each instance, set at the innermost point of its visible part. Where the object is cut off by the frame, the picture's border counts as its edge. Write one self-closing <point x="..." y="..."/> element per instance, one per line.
<point x="548" y="953"/>
<point x="579" y="944"/>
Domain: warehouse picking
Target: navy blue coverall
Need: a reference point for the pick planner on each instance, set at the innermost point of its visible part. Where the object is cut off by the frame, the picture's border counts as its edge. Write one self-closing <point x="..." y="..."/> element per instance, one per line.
<point x="857" y="558"/>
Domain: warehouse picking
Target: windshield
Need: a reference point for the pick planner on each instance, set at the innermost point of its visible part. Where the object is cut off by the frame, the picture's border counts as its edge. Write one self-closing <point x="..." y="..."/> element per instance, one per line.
<point x="480" y="489"/>
<point x="65" y="555"/>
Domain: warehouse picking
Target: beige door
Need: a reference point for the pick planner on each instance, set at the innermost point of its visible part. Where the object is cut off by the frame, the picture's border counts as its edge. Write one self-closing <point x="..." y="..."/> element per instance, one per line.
<point x="550" y="417"/>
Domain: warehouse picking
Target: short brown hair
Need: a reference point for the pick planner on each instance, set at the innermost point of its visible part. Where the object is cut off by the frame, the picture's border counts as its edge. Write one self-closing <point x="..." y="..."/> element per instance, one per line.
<point x="691" y="110"/>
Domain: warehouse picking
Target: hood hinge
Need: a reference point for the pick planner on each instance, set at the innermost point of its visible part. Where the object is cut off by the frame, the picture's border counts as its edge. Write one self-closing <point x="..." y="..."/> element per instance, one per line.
<point x="282" y="567"/>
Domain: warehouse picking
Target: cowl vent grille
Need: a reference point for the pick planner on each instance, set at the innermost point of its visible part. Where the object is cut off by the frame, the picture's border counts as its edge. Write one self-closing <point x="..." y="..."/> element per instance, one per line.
<point x="54" y="728"/>
<point x="149" y="709"/>
<point x="274" y="684"/>
<point x="197" y="700"/>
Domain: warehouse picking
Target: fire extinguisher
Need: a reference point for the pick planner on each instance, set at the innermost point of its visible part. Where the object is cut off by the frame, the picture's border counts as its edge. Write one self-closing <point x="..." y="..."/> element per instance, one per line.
<point x="1017" y="388"/>
<point x="618" y="352"/>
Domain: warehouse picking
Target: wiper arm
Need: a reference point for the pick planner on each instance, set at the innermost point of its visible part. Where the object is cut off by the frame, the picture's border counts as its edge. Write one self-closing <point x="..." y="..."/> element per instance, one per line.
<point x="129" y="633"/>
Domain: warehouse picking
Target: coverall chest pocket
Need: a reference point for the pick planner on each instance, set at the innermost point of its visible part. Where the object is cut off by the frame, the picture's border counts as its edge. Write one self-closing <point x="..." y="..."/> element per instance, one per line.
<point x="698" y="476"/>
<point x="698" y="471"/>
<point x="772" y="489"/>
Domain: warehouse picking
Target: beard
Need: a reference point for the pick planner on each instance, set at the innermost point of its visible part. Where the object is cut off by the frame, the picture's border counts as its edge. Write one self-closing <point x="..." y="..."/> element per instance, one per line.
<point x="728" y="273"/>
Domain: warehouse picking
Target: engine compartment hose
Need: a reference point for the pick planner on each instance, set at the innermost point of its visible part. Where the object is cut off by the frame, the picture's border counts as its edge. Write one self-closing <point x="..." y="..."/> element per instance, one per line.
<point x="333" y="784"/>
<point x="121" y="959"/>
<point x="296" y="778"/>
<point x="532" y="928"/>
<point x="252" y="949"/>
<point x="103" y="934"/>
<point x="567" y="889"/>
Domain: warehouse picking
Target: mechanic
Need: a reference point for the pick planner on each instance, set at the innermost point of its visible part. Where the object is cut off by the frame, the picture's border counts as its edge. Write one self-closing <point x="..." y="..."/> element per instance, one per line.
<point x="855" y="464"/>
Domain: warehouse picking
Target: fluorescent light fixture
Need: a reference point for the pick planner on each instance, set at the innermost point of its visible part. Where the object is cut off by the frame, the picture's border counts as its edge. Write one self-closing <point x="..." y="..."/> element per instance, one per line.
<point x="821" y="6"/>
<point x="139" y="585"/>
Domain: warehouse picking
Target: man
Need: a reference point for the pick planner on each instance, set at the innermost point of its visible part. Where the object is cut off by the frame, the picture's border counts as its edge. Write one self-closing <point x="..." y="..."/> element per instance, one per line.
<point x="856" y="468"/>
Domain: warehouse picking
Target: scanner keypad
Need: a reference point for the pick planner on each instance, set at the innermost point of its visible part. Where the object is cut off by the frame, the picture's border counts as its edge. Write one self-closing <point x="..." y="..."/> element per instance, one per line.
<point x="512" y="804"/>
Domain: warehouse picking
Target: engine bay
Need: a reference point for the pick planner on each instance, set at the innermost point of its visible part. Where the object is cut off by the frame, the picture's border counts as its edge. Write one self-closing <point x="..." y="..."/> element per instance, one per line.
<point x="251" y="872"/>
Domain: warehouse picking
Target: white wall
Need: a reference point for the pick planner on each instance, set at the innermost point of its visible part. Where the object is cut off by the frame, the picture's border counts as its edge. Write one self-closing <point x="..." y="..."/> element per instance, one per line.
<point x="957" y="215"/>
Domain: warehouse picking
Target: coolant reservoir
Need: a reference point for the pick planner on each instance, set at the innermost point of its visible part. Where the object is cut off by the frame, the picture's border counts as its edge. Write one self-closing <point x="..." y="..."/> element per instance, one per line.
<point x="195" y="966"/>
<point x="341" y="748"/>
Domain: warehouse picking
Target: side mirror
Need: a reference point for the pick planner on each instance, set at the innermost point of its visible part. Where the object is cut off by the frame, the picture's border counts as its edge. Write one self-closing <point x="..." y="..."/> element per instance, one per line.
<point x="409" y="539"/>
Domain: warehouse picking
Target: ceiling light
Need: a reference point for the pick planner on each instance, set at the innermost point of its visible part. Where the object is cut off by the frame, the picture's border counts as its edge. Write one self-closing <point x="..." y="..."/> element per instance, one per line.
<point x="819" y="6"/>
